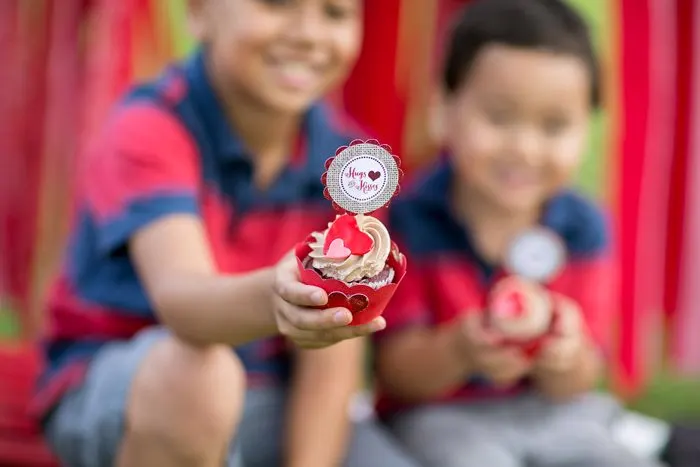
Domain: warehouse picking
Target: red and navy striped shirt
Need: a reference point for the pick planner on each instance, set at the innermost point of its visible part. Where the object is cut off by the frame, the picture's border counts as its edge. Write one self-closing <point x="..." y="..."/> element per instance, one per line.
<point x="448" y="276"/>
<point x="167" y="148"/>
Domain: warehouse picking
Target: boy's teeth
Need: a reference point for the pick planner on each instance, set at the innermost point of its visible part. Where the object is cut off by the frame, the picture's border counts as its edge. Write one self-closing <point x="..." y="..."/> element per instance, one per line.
<point x="296" y="70"/>
<point x="516" y="177"/>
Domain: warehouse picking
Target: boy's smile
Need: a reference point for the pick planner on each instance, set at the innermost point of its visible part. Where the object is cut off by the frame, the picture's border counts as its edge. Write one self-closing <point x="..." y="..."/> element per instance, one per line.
<point x="516" y="178"/>
<point x="296" y="75"/>
<point x="300" y="70"/>
<point x="517" y="125"/>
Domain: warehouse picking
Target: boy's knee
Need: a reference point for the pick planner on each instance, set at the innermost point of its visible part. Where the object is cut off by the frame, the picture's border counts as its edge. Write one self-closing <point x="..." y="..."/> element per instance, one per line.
<point x="186" y="397"/>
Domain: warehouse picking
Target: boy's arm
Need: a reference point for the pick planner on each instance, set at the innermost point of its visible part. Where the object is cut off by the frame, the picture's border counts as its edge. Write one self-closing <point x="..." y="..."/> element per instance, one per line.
<point x="142" y="187"/>
<point x="188" y="294"/>
<point x="142" y="190"/>
<point x="319" y="427"/>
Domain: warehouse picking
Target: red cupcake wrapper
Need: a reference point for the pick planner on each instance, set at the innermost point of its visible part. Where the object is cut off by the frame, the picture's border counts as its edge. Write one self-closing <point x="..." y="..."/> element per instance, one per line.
<point x="364" y="302"/>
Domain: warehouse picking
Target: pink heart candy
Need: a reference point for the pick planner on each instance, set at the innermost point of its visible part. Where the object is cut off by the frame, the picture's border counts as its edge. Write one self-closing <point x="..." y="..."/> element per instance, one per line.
<point x="337" y="249"/>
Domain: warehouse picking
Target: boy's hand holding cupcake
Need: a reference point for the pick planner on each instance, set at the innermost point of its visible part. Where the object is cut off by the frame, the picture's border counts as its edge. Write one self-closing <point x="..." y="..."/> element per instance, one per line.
<point x="483" y="353"/>
<point x="542" y="324"/>
<point x="561" y="350"/>
<point x="300" y="323"/>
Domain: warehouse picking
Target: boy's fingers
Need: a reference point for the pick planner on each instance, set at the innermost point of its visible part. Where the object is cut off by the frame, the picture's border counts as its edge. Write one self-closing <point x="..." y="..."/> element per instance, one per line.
<point x="315" y="320"/>
<point x="471" y="325"/>
<point x="304" y="326"/>
<point x="351" y="332"/>
<point x="504" y="360"/>
<point x="287" y="269"/>
<point x="509" y="369"/>
<point x="299" y="294"/>
<point x="558" y="355"/>
<point x="569" y="321"/>
<point x="324" y="337"/>
<point x="477" y="333"/>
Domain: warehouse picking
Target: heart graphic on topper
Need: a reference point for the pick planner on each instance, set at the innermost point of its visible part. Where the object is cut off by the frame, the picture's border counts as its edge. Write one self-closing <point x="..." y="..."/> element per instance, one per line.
<point x="362" y="177"/>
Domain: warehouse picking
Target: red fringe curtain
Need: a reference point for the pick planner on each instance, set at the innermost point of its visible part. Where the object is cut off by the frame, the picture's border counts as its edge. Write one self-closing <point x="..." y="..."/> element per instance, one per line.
<point x="683" y="266"/>
<point x="658" y="199"/>
<point x="67" y="61"/>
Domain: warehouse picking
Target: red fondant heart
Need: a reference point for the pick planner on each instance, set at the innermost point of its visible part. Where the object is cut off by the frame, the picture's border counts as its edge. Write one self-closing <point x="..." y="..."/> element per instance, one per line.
<point x="373" y="175"/>
<point x="355" y="303"/>
<point x="509" y="304"/>
<point x="345" y="227"/>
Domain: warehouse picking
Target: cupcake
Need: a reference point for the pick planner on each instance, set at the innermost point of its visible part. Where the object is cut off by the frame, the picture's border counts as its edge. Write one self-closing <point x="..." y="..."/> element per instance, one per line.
<point x="354" y="260"/>
<point x="520" y="307"/>
<point x="521" y="311"/>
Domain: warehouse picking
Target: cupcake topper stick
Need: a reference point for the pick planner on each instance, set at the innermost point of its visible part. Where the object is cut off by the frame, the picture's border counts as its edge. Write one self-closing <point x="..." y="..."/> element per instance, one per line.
<point x="362" y="177"/>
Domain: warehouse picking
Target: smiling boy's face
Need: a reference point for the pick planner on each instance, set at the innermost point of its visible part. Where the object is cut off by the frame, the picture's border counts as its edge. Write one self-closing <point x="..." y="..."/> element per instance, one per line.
<point x="282" y="54"/>
<point x="517" y="126"/>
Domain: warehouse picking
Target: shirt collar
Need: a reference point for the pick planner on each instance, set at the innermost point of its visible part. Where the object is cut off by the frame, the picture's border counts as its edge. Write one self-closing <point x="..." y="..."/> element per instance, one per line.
<point x="434" y="190"/>
<point x="226" y="143"/>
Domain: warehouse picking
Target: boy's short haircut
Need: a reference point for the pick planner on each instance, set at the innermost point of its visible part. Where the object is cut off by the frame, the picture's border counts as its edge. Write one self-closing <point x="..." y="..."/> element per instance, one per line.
<point x="550" y="25"/>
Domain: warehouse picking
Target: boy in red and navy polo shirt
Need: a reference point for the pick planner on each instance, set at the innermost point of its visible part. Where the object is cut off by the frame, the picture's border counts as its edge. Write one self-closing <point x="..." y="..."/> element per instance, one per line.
<point x="198" y="185"/>
<point x="519" y="86"/>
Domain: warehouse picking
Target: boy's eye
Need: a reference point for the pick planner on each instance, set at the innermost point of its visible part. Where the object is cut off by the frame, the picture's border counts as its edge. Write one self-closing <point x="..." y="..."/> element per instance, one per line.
<point x="339" y="9"/>
<point x="554" y="126"/>
<point x="500" y="117"/>
<point x="334" y="9"/>
<point x="276" y="2"/>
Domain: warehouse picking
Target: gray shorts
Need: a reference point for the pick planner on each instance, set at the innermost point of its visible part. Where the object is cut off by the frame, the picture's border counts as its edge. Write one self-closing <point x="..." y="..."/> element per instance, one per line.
<point x="87" y="427"/>
<point x="524" y="431"/>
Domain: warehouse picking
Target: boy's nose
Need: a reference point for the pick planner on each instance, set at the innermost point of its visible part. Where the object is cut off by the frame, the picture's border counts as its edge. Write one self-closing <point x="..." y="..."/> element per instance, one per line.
<point x="527" y="146"/>
<point x="307" y="26"/>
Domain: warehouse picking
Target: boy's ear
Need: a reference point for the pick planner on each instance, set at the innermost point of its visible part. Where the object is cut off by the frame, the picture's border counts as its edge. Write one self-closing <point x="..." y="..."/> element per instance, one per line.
<point x="437" y="116"/>
<point x="196" y="18"/>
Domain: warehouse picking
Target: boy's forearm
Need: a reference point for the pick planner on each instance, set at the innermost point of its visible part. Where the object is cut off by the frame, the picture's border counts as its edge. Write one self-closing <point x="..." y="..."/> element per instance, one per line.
<point x="422" y="365"/>
<point x="319" y="427"/>
<point x="218" y="309"/>
<point x="583" y="377"/>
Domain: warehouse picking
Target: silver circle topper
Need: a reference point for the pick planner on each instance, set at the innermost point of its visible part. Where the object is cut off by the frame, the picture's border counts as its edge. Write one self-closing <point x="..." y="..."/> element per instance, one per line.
<point x="537" y="254"/>
<point x="362" y="178"/>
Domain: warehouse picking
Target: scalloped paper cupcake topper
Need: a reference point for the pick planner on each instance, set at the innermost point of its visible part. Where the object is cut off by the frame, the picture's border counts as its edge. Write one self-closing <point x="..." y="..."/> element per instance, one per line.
<point x="537" y="254"/>
<point x="362" y="177"/>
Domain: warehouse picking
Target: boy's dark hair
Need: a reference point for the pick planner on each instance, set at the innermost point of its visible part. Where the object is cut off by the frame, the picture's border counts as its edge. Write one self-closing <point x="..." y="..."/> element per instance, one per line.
<point x="541" y="24"/>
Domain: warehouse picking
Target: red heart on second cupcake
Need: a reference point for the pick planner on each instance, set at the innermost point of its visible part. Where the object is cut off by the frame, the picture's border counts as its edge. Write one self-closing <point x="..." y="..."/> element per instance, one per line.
<point x="510" y="304"/>
<point x="355" y="303"/>
<point x="345" y="228"/>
